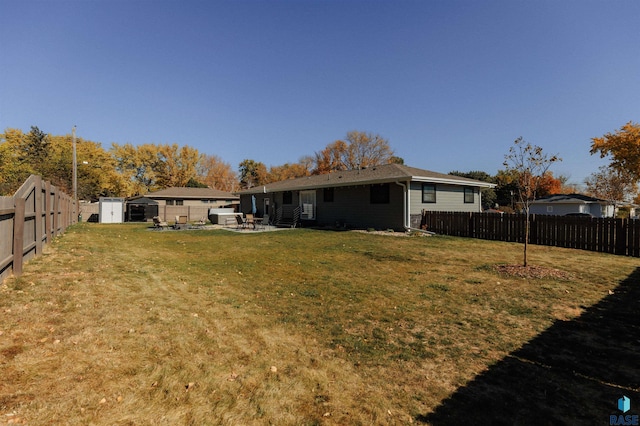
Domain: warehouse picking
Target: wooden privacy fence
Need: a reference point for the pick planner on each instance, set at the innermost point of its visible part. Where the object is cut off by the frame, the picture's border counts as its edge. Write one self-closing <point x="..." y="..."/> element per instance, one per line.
<point x="36" y="214"/>
<point x="607" y="235"/>
<point x="168" y="213"/>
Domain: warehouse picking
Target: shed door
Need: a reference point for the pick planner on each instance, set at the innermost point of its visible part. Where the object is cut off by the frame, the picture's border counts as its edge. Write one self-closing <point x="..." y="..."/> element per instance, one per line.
<point x="110" y="212"/>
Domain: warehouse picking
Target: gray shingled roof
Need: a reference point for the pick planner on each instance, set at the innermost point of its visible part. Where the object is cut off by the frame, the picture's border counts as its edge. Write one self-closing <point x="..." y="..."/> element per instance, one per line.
<point x="569" y="198"/>
<point x="371" y="175"/>
<point x="191" y="193"/>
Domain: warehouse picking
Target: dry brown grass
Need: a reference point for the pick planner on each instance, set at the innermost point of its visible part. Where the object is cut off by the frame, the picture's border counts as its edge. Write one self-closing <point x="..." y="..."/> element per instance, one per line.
<point x="116" y="324"/>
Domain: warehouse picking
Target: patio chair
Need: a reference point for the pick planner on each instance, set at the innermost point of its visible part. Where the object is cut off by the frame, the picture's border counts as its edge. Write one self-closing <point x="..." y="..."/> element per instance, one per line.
<point x="157" y="223"/>
<point x="250" y="221"/>
<point x="240" y="222"/>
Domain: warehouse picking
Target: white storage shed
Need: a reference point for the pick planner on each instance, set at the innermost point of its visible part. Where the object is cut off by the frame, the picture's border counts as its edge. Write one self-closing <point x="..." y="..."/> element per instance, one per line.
<point x="111" y="210"/>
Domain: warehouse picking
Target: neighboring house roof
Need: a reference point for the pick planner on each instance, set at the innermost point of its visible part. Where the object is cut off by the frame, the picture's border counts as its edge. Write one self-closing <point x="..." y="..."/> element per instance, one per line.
<point x="371" y="175"/>
<point x="570" y="199"/>
<point x="142" y="200"/>
<point x="191" y="193"/>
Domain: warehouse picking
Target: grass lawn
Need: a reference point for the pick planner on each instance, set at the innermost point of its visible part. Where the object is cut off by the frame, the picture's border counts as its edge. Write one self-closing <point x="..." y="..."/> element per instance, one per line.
<point x="116" y="324"/>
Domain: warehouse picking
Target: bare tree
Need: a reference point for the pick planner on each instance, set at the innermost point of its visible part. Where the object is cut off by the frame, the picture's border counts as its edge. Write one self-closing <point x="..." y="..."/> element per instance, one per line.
<point x="366" y="150"/>
<point x="612" y="184"/>
<point x="530" y="164"/>
<point x="358" y="150"/>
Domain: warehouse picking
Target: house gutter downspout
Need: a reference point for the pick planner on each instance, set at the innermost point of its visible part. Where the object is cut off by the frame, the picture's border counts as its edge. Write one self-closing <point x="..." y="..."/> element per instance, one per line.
<point x="406" y="211"/>
<point x="406" y="220"/>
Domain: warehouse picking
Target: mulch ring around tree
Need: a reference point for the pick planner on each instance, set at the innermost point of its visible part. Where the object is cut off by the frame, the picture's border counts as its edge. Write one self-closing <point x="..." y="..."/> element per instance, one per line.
<point x="537" y="272"/>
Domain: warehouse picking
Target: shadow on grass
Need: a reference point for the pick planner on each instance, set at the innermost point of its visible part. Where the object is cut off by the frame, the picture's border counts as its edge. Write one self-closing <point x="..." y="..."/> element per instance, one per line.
<point x="572" y="373"/>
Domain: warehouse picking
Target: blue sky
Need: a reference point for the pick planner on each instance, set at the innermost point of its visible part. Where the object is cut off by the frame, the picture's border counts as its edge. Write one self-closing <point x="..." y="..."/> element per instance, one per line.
<point x="450" y="84"/>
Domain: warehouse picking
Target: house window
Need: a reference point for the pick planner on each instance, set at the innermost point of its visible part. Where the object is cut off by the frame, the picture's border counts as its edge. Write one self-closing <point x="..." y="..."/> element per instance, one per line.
<point x="468" y="195"/>
<point x="169" y="202"/>
<point x="428" y="193"/>
<point x="327" y="195"/>
<point x="287" y="197"/>
<point x="379" y="194"/>
<point x="179" y="202"/>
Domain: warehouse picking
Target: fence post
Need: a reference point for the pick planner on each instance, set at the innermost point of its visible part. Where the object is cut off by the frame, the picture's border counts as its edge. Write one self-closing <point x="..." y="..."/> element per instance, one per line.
<point x="48" y="210"/>
<point x="39" y="214"/>
<point x="18" y="235"/>
<point x="621" y="236"/>
<point x="533" y="229"/>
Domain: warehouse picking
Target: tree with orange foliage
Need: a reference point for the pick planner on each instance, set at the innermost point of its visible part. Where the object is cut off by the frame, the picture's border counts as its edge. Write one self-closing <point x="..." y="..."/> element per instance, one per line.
<point x="330" y="158"/>
<point x="624" y="148"/>
<point x="287" y="171"/>
<point x="549" y="185"/>
<point x="217" y="174"/>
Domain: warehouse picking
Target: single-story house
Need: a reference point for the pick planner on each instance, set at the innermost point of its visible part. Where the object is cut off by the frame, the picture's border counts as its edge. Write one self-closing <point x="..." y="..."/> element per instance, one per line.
<point x="179" y="201"/>
<point x="390" y="196"/>
<point x="572" y="204"/>
<point x="183" y="196"/>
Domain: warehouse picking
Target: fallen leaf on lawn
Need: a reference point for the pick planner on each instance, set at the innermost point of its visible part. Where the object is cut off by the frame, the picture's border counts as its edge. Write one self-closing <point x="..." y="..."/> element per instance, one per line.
<point x="189" y="386"/>
<point x="232" y="377"/>
<point x="103" y="400"/>
<point x="274" y="369"/>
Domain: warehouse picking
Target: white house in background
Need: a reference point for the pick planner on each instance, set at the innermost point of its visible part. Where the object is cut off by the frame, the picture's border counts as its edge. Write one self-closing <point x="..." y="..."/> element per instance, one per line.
<point x="572" y="204"/>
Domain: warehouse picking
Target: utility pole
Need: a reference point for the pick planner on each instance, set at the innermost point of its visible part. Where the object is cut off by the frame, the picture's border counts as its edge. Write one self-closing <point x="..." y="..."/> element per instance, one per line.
<point x="75" y="171"/>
